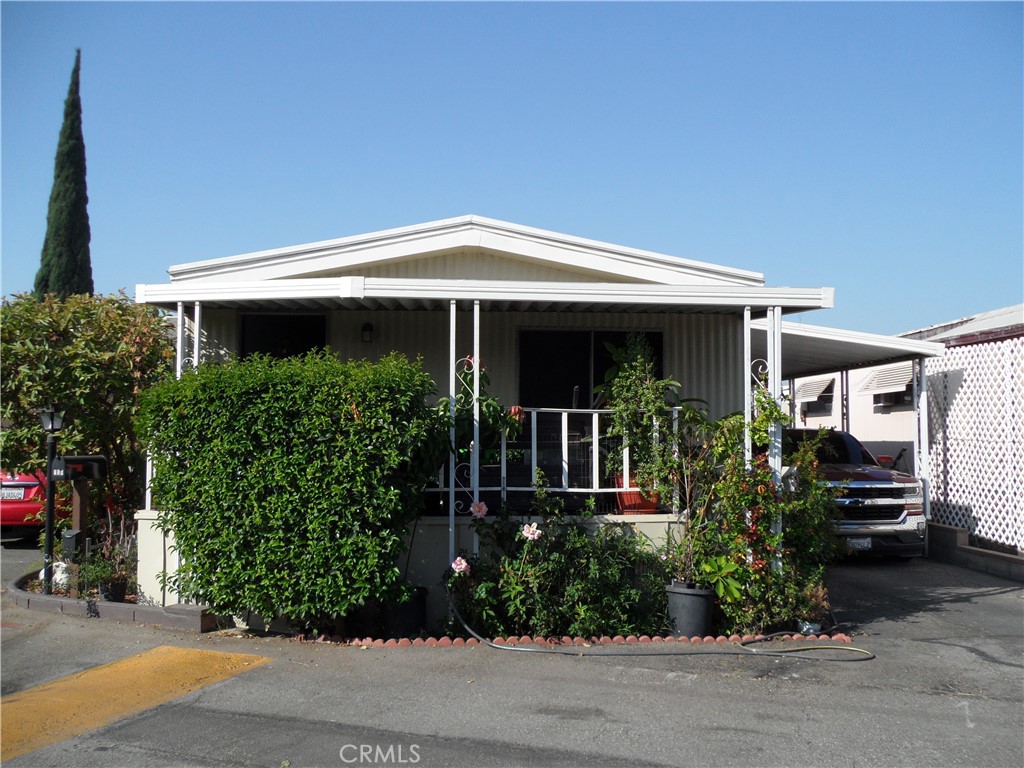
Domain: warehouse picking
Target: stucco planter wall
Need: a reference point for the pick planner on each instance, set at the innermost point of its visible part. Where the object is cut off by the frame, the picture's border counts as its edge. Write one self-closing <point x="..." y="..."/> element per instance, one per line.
<point x="423" y="566"/>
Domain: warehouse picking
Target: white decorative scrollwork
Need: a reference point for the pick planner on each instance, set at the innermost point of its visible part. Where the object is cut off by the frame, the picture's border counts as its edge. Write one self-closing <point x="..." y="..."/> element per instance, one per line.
<point x="759" y="370"/>
<point x="465" y="370"/>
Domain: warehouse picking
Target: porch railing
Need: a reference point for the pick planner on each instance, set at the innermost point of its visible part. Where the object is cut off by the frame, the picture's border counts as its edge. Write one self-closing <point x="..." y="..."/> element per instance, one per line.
<point x="570" y="447"/>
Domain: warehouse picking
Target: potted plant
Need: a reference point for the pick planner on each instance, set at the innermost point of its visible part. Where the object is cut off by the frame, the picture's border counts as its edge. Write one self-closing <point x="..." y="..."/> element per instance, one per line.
<point x="111" y="567"/>
<point x="698" y="578"/>
<point x="702" y="565"/>
<point x="641" y="420"/>
<point x="814" y="607"/>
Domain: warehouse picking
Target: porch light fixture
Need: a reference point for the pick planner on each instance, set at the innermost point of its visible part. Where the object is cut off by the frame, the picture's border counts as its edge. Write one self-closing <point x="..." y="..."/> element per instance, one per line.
<point x="367" y="333"/>
<point x="52" y="421"/>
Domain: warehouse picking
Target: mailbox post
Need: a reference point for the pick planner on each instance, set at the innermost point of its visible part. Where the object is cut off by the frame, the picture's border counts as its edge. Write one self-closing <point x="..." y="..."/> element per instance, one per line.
<point x="52" y="421"/>
<point x="80" y="471"/>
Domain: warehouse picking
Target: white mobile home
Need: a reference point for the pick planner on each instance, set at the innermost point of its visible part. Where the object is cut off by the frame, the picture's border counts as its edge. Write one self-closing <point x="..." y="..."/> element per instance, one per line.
<point x="533" y="306"/>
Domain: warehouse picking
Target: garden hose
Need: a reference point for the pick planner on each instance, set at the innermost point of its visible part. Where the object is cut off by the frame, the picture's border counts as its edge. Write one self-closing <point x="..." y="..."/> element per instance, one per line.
<point x="744" y="648"/>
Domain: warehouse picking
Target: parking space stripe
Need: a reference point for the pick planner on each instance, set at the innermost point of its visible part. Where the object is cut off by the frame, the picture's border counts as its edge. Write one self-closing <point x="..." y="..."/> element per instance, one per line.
<point x="79" y="703"/>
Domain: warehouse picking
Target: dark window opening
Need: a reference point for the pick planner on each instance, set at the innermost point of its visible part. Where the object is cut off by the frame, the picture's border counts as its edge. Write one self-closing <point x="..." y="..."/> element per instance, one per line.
<point x="561" y="369"/>
<point x="822" y="406"/>
<point x="894" y="399"/>
<point x="282" y="335"/>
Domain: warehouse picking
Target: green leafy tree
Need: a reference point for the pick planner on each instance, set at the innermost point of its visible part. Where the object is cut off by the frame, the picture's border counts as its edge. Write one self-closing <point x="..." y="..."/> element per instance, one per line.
<point x="91" y="356"/>
<point x="65" y="268"/>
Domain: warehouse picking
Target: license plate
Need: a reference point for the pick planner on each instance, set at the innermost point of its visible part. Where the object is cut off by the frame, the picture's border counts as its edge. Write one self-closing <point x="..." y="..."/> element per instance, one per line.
<point x="12" y="493"/>
<point x="859" y="543"/>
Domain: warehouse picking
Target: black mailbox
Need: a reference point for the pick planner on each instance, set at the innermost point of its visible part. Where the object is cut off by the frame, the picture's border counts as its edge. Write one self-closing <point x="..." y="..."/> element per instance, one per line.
<point x="92" y="468"/>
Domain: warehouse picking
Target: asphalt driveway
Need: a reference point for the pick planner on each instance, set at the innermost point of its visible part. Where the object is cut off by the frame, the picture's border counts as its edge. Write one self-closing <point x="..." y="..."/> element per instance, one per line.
<point x="946" y="688"/>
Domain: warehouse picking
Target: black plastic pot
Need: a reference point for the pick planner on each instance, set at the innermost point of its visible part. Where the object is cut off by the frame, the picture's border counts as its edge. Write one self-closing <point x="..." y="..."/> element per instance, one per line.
<point x="407" y="619"/>
<point x="114" y="591"/>
<point x="690" y="609"/>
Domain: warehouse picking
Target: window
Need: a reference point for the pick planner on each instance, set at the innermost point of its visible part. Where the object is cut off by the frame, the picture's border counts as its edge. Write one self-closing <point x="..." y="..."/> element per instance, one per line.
<point x="891" y="386"/>
<point x="815" y="396"/>
<point x="282" y="335"/>
<point x="560" y="369"/>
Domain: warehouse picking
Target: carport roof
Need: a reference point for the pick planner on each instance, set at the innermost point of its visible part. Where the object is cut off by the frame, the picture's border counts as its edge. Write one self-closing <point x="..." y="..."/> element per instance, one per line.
<point x="813" y="350"/>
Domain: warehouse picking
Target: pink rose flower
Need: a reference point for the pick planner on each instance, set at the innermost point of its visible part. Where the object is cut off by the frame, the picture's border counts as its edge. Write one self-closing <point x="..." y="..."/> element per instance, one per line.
<point x="531" y="532"/>
<point x="478" y="509"/>
<point x="459" y="565"/>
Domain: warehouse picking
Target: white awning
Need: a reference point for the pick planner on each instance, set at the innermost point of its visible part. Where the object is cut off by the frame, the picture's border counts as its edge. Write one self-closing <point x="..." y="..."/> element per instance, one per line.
<point x="893" y="378"/>
<point x="809" y="391"/>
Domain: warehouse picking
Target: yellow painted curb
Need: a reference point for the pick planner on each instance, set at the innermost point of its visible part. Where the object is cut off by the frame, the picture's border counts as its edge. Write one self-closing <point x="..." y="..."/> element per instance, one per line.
<point x="79" y="703"/>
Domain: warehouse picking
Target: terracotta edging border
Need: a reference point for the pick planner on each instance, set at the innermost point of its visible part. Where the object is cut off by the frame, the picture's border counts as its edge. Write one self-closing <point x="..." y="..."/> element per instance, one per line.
<point x="197" y="618"/>
<point x="445" y="641"/>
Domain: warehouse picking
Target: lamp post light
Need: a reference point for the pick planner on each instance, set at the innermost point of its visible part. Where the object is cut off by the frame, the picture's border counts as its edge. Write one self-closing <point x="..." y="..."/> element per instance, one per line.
<point x="52" y="421"/>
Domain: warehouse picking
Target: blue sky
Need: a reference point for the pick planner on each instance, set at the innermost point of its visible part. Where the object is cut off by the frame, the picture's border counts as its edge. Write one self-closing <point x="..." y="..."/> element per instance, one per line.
<point x="876" y="148"/>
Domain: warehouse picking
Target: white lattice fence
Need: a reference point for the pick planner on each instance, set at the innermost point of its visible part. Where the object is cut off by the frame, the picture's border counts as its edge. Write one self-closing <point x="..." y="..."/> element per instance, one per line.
<point x="976" y="429"/>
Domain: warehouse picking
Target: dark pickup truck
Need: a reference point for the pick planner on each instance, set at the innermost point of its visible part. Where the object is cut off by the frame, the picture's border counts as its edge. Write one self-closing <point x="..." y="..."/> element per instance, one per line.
<point x="880" y="510"/>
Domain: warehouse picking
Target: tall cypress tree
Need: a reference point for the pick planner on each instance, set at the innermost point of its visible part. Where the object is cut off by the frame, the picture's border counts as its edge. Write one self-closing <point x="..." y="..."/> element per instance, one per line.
<point x="65" y="267"/>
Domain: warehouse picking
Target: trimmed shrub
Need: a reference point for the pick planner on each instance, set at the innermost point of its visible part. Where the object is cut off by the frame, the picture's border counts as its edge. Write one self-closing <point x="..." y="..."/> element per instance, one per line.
<point x="288" y="484"/>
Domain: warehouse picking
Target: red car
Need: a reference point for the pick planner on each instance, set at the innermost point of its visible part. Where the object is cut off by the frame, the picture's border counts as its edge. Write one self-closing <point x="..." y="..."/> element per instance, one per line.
<point x="22" y="499"/>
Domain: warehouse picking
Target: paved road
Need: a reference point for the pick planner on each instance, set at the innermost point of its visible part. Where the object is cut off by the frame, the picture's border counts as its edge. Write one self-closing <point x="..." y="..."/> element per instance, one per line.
<point x="946" y="689"/>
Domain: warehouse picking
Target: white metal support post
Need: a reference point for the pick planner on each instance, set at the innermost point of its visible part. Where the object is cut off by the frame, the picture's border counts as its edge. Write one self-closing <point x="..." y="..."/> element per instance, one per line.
<point x="179" y="357"/>
<point x="452" y="362"/>
<point x="844" y="399"/>
<point x="774" y="391"/>
<point x="197" y="333"/>
<point x="745" y="379"/>
<point x="922" y="449"/>
<point x="477" y="371"/>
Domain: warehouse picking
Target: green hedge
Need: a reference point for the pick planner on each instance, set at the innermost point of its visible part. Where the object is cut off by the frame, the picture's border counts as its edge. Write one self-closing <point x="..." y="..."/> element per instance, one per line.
<point x="289" y="483"/>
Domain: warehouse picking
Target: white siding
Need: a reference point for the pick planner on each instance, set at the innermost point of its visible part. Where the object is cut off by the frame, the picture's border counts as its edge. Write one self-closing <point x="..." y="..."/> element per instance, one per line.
<point x="703" y="352"/>
<point x="220" y="334"/>
<point x="474" y="265"/>
<point x="870" y="423"/>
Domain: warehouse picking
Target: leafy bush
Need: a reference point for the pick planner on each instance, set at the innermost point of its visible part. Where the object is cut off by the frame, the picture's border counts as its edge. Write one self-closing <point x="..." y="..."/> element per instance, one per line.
<point x="554" y="578"/>
<point x="761" y="545"/>
<point x="92" y="356"/>
<point x="780" y="537"/>
<point x="289" y="483"/>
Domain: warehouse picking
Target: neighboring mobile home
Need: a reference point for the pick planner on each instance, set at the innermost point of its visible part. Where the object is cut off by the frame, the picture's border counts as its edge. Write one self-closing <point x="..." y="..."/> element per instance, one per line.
<point x="974" y="420"/>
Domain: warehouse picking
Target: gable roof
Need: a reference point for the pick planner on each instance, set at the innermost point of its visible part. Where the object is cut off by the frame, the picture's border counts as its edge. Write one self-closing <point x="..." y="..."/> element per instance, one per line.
<point x="591" y="260"/>
<point x="996" y="324"/>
